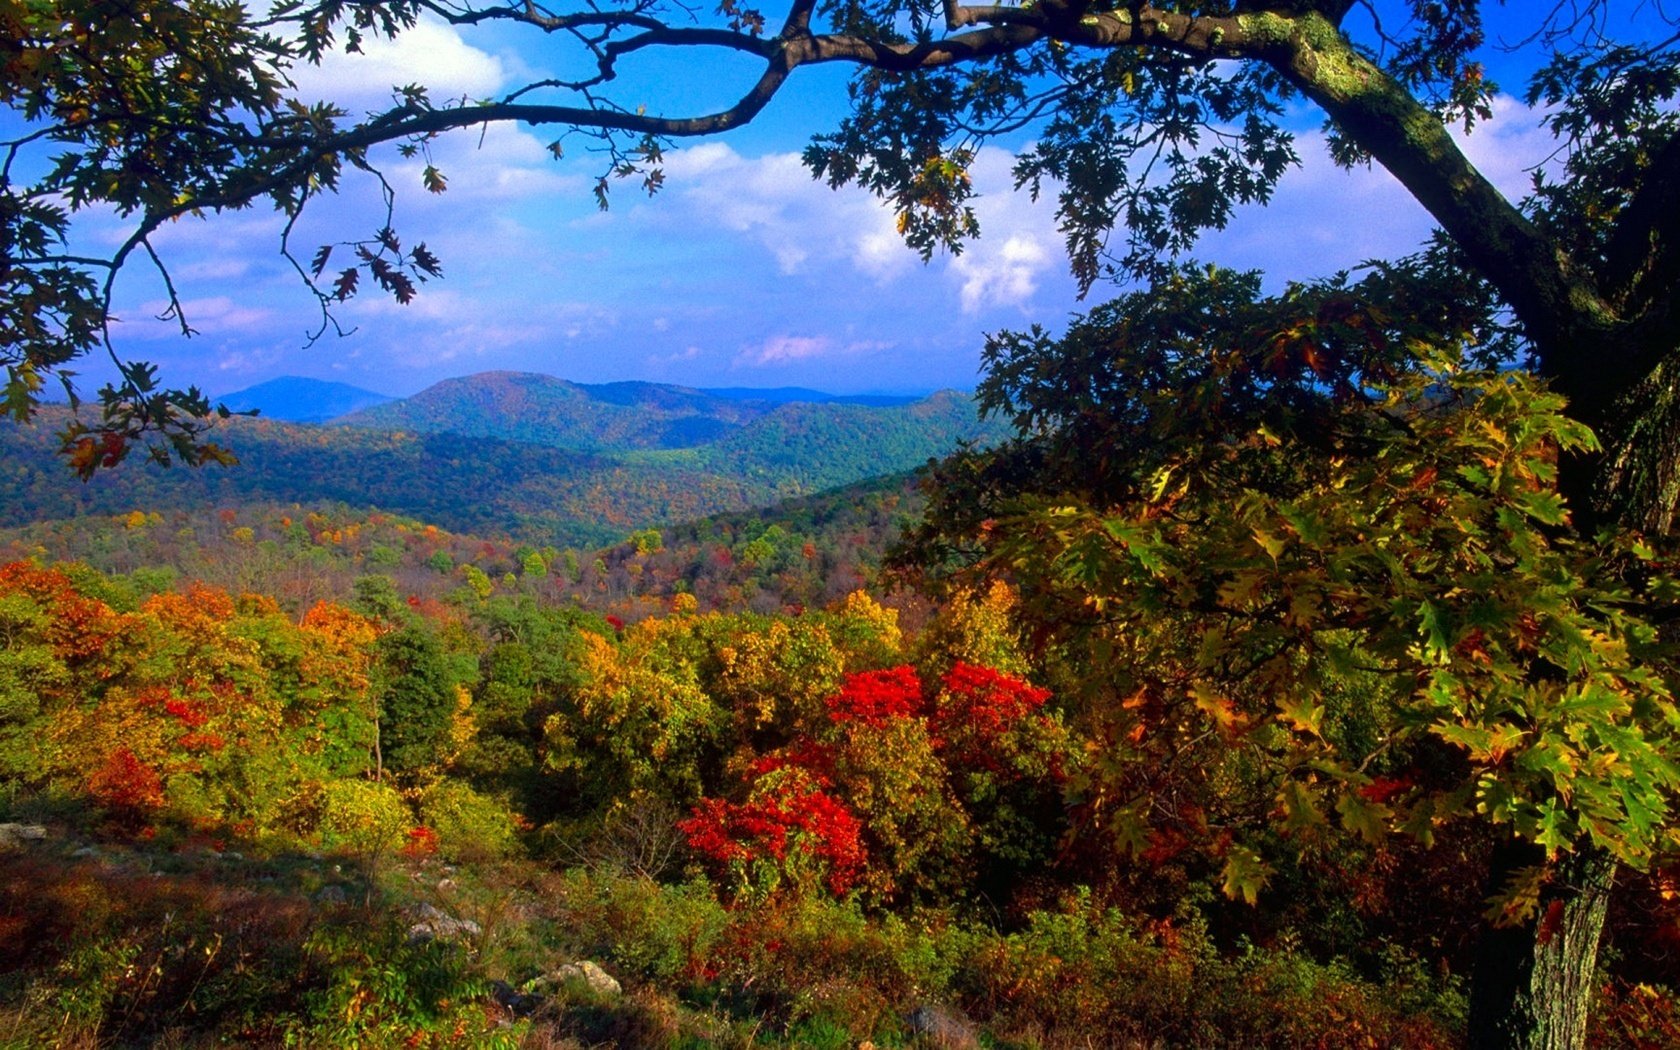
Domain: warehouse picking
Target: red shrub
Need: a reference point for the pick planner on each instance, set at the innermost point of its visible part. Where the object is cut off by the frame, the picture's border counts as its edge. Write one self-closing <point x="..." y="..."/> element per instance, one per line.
<point x="422" y="842"/>
<point x="977" y="709"/>
<point x="786" y="824"/>
<point x="127" y="785"/>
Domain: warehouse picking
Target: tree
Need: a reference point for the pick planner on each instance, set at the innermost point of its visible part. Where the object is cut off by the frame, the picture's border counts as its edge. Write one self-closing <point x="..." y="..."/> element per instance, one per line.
<point x="1337" y="589"/>
<point x="1154" y="119"/>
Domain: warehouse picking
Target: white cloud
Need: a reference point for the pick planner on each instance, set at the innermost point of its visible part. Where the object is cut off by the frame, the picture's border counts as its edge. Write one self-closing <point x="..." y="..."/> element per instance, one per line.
<point x="1018" y="248"/>
<point x="786" y="348"/>
<point x="488" y="164"/>
<point x="246" y="362"/>
<point x="687" y="353"/>
<point x="802" y="223"/>
<point x="790" y="349"/>
<point x="1509" y="146"/>
<point x="217" y="315"/>
<point x="429" y="54"/>
<point x="1006" y="275"/>
<point x="807" y="228"/>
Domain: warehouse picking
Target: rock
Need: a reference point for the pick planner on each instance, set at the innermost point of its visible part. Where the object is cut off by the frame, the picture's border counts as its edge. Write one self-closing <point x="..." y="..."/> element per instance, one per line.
<point x="14" y="838"/>
<point x="586" y="973"/>
<point x="439" y="925"/>
<point x="943" y="1026"/>
<point x="516" y="1002"/>
<point x="332" y="895"/>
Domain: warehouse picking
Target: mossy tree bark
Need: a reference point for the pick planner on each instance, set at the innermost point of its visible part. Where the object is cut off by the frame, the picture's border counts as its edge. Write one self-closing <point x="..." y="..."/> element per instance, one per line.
<point x="1534" y="984"/>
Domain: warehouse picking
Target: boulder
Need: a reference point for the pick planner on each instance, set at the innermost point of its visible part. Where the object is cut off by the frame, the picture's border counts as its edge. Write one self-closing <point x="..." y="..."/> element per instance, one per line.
<point x="943" y="1026"/>
<point x="440" y="926"/>
<point x="585" y="973"/>
<point x="14" y="838"/>
<point x="516" y="1002"/>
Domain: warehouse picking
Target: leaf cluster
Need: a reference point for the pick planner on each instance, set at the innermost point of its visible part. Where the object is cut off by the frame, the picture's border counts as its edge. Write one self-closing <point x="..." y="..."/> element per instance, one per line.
<point x="1320" y="574"/>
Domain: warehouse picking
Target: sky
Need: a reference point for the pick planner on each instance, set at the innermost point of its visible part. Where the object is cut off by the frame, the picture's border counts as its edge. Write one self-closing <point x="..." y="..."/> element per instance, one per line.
<point x="742" y="272"/>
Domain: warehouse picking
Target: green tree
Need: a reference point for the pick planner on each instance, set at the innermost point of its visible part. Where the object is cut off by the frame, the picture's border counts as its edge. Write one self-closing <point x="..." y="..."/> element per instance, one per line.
<point x="1339" y="588"/>
<point x="417" y="701"/>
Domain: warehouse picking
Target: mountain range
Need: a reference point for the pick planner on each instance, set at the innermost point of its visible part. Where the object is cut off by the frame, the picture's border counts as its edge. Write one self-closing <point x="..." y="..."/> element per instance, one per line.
<point x="522" y="455"/>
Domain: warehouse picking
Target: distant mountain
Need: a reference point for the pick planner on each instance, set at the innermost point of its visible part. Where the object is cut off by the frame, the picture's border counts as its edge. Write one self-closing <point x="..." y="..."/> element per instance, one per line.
<point x="478" y="485"/>
<point x="632" y="416"/>
<point x="295" y="399"/>
<point x="543" y="410"/>
<point x="805" y="448"/>
<point x="782" y="395"/>
<point x="422" y="464"/>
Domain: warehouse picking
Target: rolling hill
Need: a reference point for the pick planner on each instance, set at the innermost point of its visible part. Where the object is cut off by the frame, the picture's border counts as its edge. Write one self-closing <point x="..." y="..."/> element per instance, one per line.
<point x="598" y="491"/>
<point x="606" y="417"/>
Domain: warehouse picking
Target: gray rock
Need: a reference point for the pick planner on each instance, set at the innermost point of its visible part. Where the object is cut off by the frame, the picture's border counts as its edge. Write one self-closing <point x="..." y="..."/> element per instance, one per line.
<point x="333" y="895"/>
<point x="585" y="973"/>
<point x="943" y="1026"/>
<point x="438" y="925"/>
<point x="14" y="838"/>
<point x="516" y="1002"/>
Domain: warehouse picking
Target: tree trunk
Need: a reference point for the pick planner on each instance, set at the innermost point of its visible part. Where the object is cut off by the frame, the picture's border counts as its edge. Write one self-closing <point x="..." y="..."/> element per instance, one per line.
<point x="1533" y="984"/>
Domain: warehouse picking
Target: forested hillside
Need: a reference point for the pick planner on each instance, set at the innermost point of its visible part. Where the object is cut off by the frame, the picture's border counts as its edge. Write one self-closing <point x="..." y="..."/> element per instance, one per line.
<point x="492" y="820"/>
<point x="543" y="410"/>
<point x="621" y="417"/>
<point x="799" y="553"/>
<point x="497" y="486"/>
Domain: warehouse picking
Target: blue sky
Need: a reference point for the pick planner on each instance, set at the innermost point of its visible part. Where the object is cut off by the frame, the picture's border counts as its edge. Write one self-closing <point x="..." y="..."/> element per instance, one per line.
<point x="743" y="272"/>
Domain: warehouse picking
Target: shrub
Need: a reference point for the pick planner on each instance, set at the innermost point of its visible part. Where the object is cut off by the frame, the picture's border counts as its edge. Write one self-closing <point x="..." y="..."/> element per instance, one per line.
<point x="363" y="817"/>
<point x="789" y="832"/>
<point x="469" y="826"/>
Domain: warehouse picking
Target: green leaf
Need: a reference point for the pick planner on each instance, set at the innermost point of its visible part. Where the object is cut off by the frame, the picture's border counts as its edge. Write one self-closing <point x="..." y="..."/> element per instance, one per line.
<point x="1545" y="506"/>
<point x="1368" y="820"/>
<point x="1304" y="713"/>
<point x="1272" y="545"/>
<point x="1555" y="829"/>
<point x="1245" y="874"/>
<point x="1300" y="811"/>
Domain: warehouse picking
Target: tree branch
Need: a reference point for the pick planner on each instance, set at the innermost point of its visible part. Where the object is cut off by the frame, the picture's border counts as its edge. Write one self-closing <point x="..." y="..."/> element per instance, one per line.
<point x="1561" y="310"/>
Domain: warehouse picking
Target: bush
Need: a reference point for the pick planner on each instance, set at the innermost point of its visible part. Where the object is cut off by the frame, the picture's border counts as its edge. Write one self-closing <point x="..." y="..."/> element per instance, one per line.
<point x="362" y="817"/>
<point x="469" y="826"/>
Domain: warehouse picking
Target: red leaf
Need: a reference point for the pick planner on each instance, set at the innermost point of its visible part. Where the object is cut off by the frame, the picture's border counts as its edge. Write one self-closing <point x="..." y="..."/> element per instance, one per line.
<point x="1549" y="925"/>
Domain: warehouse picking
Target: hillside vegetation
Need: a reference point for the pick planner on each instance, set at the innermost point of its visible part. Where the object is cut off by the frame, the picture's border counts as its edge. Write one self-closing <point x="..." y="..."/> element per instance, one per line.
<point x="494" y="821"/>
<point x="605" y="417"/>
<point x="800" y="553"/>
<point x="586" y="495"/>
